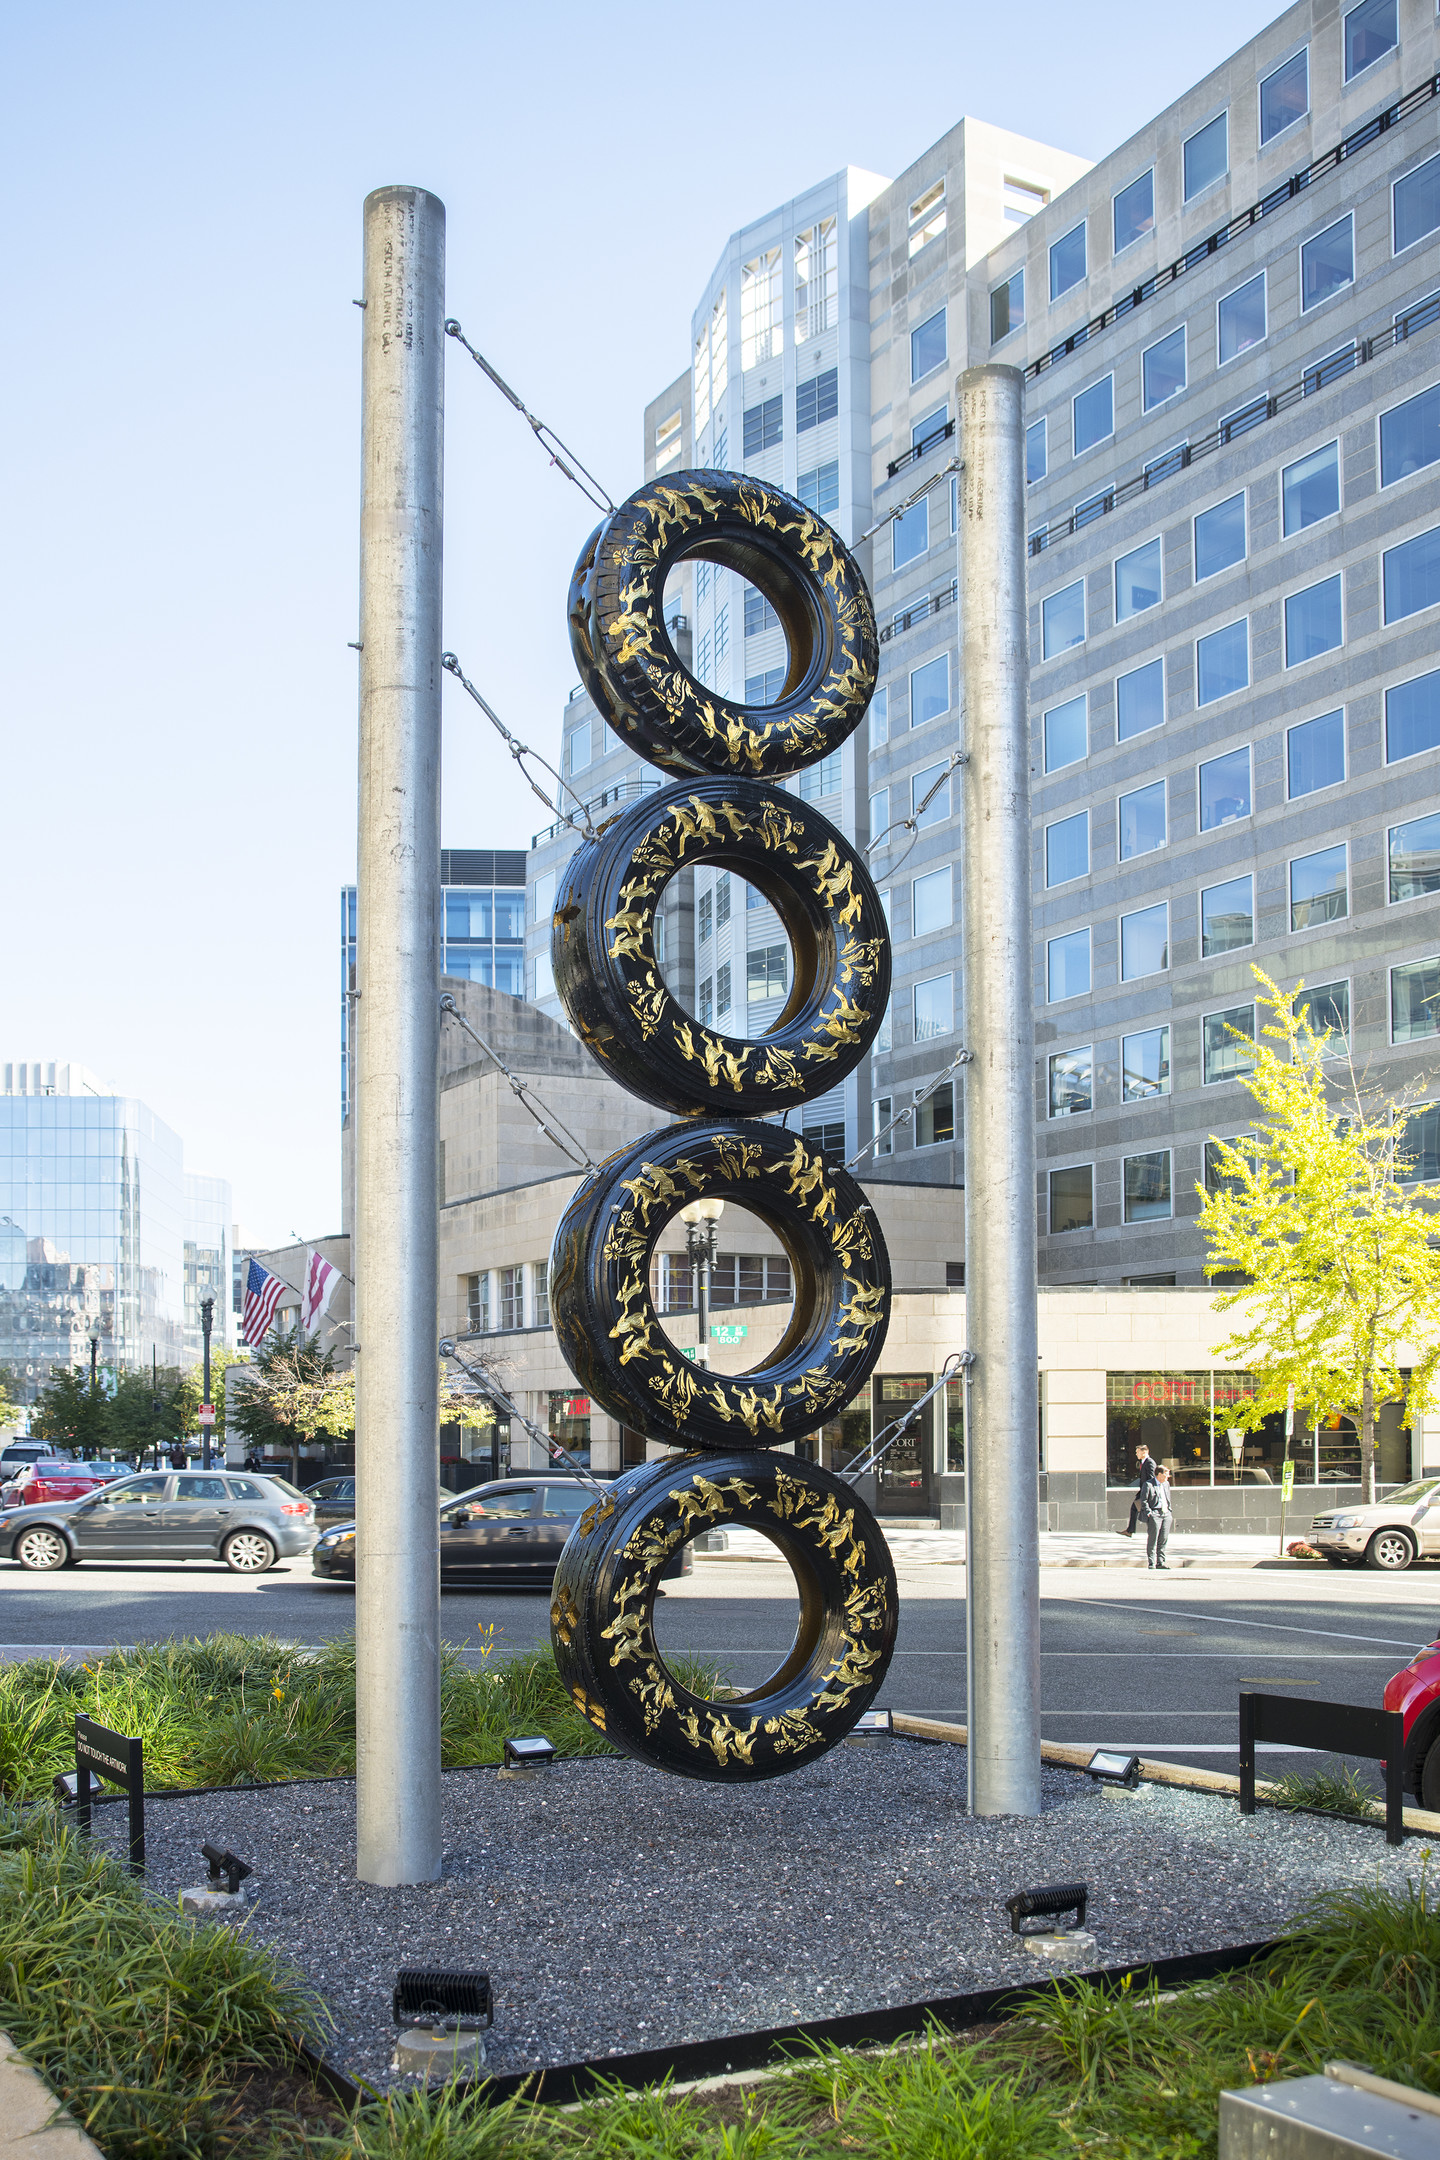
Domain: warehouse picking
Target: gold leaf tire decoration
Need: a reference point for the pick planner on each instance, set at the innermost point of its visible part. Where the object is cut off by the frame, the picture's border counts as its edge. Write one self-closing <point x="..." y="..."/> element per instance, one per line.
<point x="612" y="985"/>
<point x="612" y="1666"/>
<point x="631" y="669"/>
<point x="606" y="1323"/>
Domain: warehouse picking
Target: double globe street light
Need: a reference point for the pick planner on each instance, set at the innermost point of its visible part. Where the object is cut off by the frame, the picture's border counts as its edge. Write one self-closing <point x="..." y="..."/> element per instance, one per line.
<point x="701" y="1251"/>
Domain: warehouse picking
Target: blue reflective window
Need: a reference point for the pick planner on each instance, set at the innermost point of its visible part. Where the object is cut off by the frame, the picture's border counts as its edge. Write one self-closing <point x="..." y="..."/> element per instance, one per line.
<point x="1142" y="820"/>
<point x="1140" y="700"/>
<point x="1314" y="621"/>
<point x="1310" y="488"/>
<point x="1417" y="204"/>
<point x="1134" y="211"/>
<point x="938" y="809"/>
<point x="1227" y="1044"/>
<point x="1241" y="318"/>
<point x="930" y="690"/>
<point x="1227" y="916"/>
<point x="1225" y="788"/>
<point x="1035" y="452"/>
<point x="1162" y="369"/>
<point x="1222" y="662"/>
<point x="1062" y="619"/>
<point x="1410" y="436"/>
<point x="1147" y="1186"/>
<point x="1207" y="156"/>
<point x="1315" y="754"/>
<point x="1284" y="96"/>
<point x="1371" y="31"/>
<point x="927" y="346"/>
<point x="1094" y="412"/>
<point x="1412" y="717"/>
<point x="1415" y="858"/>
<point x="1412" y="575"/>
<point x="1145" y="942"/>
<point x="816" y="400"/>
<point x="1067" y="966"/>
<point x="1065" y="735"/>
<point x="1415" y="1000"/>
<point x="1220" y="537"/>
<point x="1327" y="264"/>
<point x="1137" y="581"/>
<point x="1067" y="849"/>
<point x="1145" y="1064"/>
<point x="820" y="487"/>
<point x="910" y="534"/>
<point x="1007" y="307"/>
<point x="1319" y="888"/>
<point x="1067" y="261"/>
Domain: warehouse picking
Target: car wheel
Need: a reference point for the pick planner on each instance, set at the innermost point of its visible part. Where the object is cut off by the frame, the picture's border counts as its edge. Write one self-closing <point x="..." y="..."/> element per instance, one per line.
<point x="1430" y="1777"/>
<point x="41" y="1548"/>
<point x="1390" y="1550"/>
<point x="249" y="1552"/>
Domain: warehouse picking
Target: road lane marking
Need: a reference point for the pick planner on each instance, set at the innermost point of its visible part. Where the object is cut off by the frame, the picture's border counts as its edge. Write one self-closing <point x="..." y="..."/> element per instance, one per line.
<point x="1266" y="1627"/>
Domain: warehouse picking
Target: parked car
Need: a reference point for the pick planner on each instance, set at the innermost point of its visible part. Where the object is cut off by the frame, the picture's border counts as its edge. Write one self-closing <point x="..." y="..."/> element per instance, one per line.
<point x="49" y="1479"/>
<point x="1416" y="1693"/>
<point x="20" y="1452"/>
<point x="248" y="1522"/>
<point x="334" y="1499"/>
<point x="509" y="1531"/>
<point x="1390" y="1535"/>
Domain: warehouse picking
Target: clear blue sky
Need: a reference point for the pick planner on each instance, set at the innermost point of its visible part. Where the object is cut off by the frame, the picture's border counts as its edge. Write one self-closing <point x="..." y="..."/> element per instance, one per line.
<point x="181" y="401"/>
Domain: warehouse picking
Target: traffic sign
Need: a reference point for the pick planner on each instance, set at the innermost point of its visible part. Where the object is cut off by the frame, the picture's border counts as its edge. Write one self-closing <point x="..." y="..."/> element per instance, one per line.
<point x="207" y="1413"/>
<point x="728" y="1333"/>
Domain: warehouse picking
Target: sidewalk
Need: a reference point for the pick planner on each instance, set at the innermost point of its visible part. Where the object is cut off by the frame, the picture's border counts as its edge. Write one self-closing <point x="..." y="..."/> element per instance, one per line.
<point x="919" y="1544"/>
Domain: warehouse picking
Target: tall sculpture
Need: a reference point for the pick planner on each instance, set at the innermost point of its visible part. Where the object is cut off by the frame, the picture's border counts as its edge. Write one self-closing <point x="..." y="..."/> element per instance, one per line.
<point x="728" y="1092"/>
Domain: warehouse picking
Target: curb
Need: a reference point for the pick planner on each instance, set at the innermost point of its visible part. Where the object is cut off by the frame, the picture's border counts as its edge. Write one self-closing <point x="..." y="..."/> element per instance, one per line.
<point x="32" y="2121"/>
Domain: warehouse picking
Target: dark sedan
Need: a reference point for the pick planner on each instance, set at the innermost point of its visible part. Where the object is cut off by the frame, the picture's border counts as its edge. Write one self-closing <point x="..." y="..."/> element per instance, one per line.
<point x="513" y="1531"/>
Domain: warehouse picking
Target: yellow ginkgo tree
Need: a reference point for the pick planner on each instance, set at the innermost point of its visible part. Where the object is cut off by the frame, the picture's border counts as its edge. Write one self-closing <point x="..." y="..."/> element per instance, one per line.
<point x="1339" y="1248"/>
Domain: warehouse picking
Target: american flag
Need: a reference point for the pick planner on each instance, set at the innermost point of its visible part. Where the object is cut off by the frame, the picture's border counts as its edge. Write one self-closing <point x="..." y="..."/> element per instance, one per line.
<point x="262" y="1295"/>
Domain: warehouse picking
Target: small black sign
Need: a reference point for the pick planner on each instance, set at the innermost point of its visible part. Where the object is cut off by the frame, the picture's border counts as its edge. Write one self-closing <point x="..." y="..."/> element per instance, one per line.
<point x="1338" y="1728"/>
<point x="119" y="1760"/>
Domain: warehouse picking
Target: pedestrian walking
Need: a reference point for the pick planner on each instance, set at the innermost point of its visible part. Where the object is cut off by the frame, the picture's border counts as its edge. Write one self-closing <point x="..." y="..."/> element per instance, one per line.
<point x="1159" y="1515"/>
<point x="177" y="1456"/>
<point x="1145" y="1475"/>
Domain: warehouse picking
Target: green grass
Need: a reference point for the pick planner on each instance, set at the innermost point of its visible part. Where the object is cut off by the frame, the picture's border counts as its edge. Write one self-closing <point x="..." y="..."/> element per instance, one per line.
<point x="1338" y="1792"/>
<point x="246" y="1709"/>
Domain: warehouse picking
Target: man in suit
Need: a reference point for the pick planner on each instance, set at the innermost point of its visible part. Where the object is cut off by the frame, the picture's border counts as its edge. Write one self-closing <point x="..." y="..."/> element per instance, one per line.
<point x="1145" y="1475"/>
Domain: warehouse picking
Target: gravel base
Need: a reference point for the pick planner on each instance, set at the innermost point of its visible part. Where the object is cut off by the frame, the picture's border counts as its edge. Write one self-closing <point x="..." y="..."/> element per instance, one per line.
<point x="616" y="1908"/>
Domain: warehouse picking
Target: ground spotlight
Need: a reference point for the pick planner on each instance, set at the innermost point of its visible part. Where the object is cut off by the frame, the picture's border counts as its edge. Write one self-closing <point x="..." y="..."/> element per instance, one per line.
<point x="528" y="1753"/>
<point x="1045" y="1904"/>
<point x="1109" y="1767"/>
<point x="424" y="1995"/>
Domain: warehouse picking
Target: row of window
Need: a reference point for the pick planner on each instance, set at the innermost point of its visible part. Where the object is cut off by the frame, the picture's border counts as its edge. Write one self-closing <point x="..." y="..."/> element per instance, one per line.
<point x="735" y="1279"/>
<point x="1371" y="31"/>
<point x="763" y="425"/>
<point x="1145" y="1053"/>
<point x="1314" y="616"/>
<point x="499" y="1299"/>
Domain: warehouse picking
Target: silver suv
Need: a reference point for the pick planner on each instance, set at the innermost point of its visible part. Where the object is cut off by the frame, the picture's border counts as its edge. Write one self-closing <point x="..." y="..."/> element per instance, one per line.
<point x="249" y="1522"/>
<point x="1389" y="1535"/>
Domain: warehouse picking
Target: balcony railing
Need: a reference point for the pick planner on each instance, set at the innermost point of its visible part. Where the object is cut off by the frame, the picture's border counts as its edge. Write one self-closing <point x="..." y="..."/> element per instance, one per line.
<point x="913" y="455"/>
<point x="622" y="792"/>
<point x="928" y="604"/>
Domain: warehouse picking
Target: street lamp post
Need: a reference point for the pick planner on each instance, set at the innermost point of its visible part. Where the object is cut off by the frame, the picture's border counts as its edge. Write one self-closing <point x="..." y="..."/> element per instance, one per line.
<point x="207" y="1412"/>
<point x="94" y="1380"/>
<point x="700" y="1219"/>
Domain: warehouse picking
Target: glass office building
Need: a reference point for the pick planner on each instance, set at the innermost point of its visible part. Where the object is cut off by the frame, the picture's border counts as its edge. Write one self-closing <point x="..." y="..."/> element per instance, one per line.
<point x="482" y="925"/>
<point x="209" y="1238"/>
<point x="92" y="1227"/>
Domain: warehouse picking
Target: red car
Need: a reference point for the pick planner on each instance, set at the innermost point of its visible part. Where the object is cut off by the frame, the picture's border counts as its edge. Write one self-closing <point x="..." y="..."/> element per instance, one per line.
<point x="1416" y="1692"/>
<point x="58" y="1481"/>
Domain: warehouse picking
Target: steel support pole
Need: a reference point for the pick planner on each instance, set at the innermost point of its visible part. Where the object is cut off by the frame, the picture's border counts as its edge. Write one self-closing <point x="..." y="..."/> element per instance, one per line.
<point x="396" y="1043"/>
<point x="1002" y="1600"/>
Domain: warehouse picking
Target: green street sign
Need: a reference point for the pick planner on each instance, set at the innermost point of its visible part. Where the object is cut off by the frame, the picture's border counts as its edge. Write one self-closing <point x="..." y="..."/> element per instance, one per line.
<point x="1287" y="1482"/>
<point x="729" y="1334"/>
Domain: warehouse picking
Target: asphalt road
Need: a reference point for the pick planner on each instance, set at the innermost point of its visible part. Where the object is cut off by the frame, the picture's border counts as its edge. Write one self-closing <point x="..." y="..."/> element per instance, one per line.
<point x="1126" y="1661"/>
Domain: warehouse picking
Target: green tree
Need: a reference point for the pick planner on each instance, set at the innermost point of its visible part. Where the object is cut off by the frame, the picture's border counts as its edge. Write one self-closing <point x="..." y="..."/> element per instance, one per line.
<point x="1342" y="1259"/>
<point x="68" y="1415"/>
<point x="293" y="1395"/>
<point x="12" y="1393"/>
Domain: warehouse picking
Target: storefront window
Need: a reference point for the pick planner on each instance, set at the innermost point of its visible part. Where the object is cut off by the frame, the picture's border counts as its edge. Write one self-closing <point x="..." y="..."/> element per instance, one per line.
<point x="845" y="1441"/>
<point x="1170" y="1413"/>
<point x="954" y="1425"/>
<point x="1185" y="1420"/>
<point x="570" y="1424"/>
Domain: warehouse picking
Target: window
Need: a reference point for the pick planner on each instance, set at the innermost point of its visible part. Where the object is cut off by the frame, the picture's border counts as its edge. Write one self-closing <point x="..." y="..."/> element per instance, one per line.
<point x="1071" y="1082"/>
<point x="1217" y="1177"/>
<point x="722" y="898"/>
<point x="669" y="440"/>
<point x="1330" y="367"/>
<point x="1416" y="204"/>
<point x="816" y="400"/>
<point x="1072" y="1199"/>
<point x="1168" y="462"/>
<point x="820" y="779"/>
<point x="722" y="988"/>
<point x="1415" y="1000"/>
<point x="1314" y="621"/>
<point x="910" y="534"/>
<point x="706" y="1001"/>
<point x="1284" y="96"/>
<point x="930" y="690"/>
<point x="932" y="904"/>
<point x="880" y="1116"/>
<point x="817" y="288"/>
<point x="722" y="633"/>
<point x="820" y="488"/>
<point x="1225" y="789"/>
<point x="477" y="1302"/>
<point x="879" y="812"/>
<point x="702" y="912"/>
<point x="1310" y="488"/>
<point x="927" y="347"/>
<point x="883" y="1034"/>
<point x="1142" y="820"/>
<point x="1145" y="1064"/>
<point x="1065" y="734"/>
<point x="1327" y="264"/>
<point x="1222" y="662"/>
<point x="764" y="426"/>
<point x="1094" y="506"/>
<point x="1163" y="369"/>
<point x="938" y="809"/>
<point x="934" y="1007"/>
<point x="767" y="972"/>
<point x="1062" y="619"/>
<point x="1412" y="718"/>
<point x="1415" y="858"/>
<point x="1418" y="1149"/>
<point x="542" y="1293"/>
<point x="1067" y="849"/>
<point x="580" y="749"/>
<point x="1410" y="436"/>
<point x="1035" y="449"/>
<point x="1240" y="319"/>
<point x="1412" y="575"/>
<point x="759" y="615"/>
<point x="1227" y="917"/>
<point x="1022" y="202"/>
<point x="1133" y="210"/>
<point x="931" y="428"/>
<point x="754" y="898"/>
<point x="1067" y="966"/>
<point x="1145" y="942"/>
<point x="1007" y="307"/>
<point x="544" y="979"/>
<point x="1319" y="888"/>
<point x="927" y="217"/>
<point x="1067" y="261"/>
<point x="1094" y="415"/>
<point x="1371" y="31"/>
<point x="762" y="317"/>
<point x="512" y="1297"/>
<point x="1140" y="700"/>
<point x="1220" y="537"/>
<point x="1227" y="1042"/>
<point x="1207" y="156"/>
<point x="1137" y="581"/>
<point x="1147" y="1186"/>
<point x="1315" y="754"/>
<point x="1327" y="1008"/>
<point x="935" y="1117"/>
